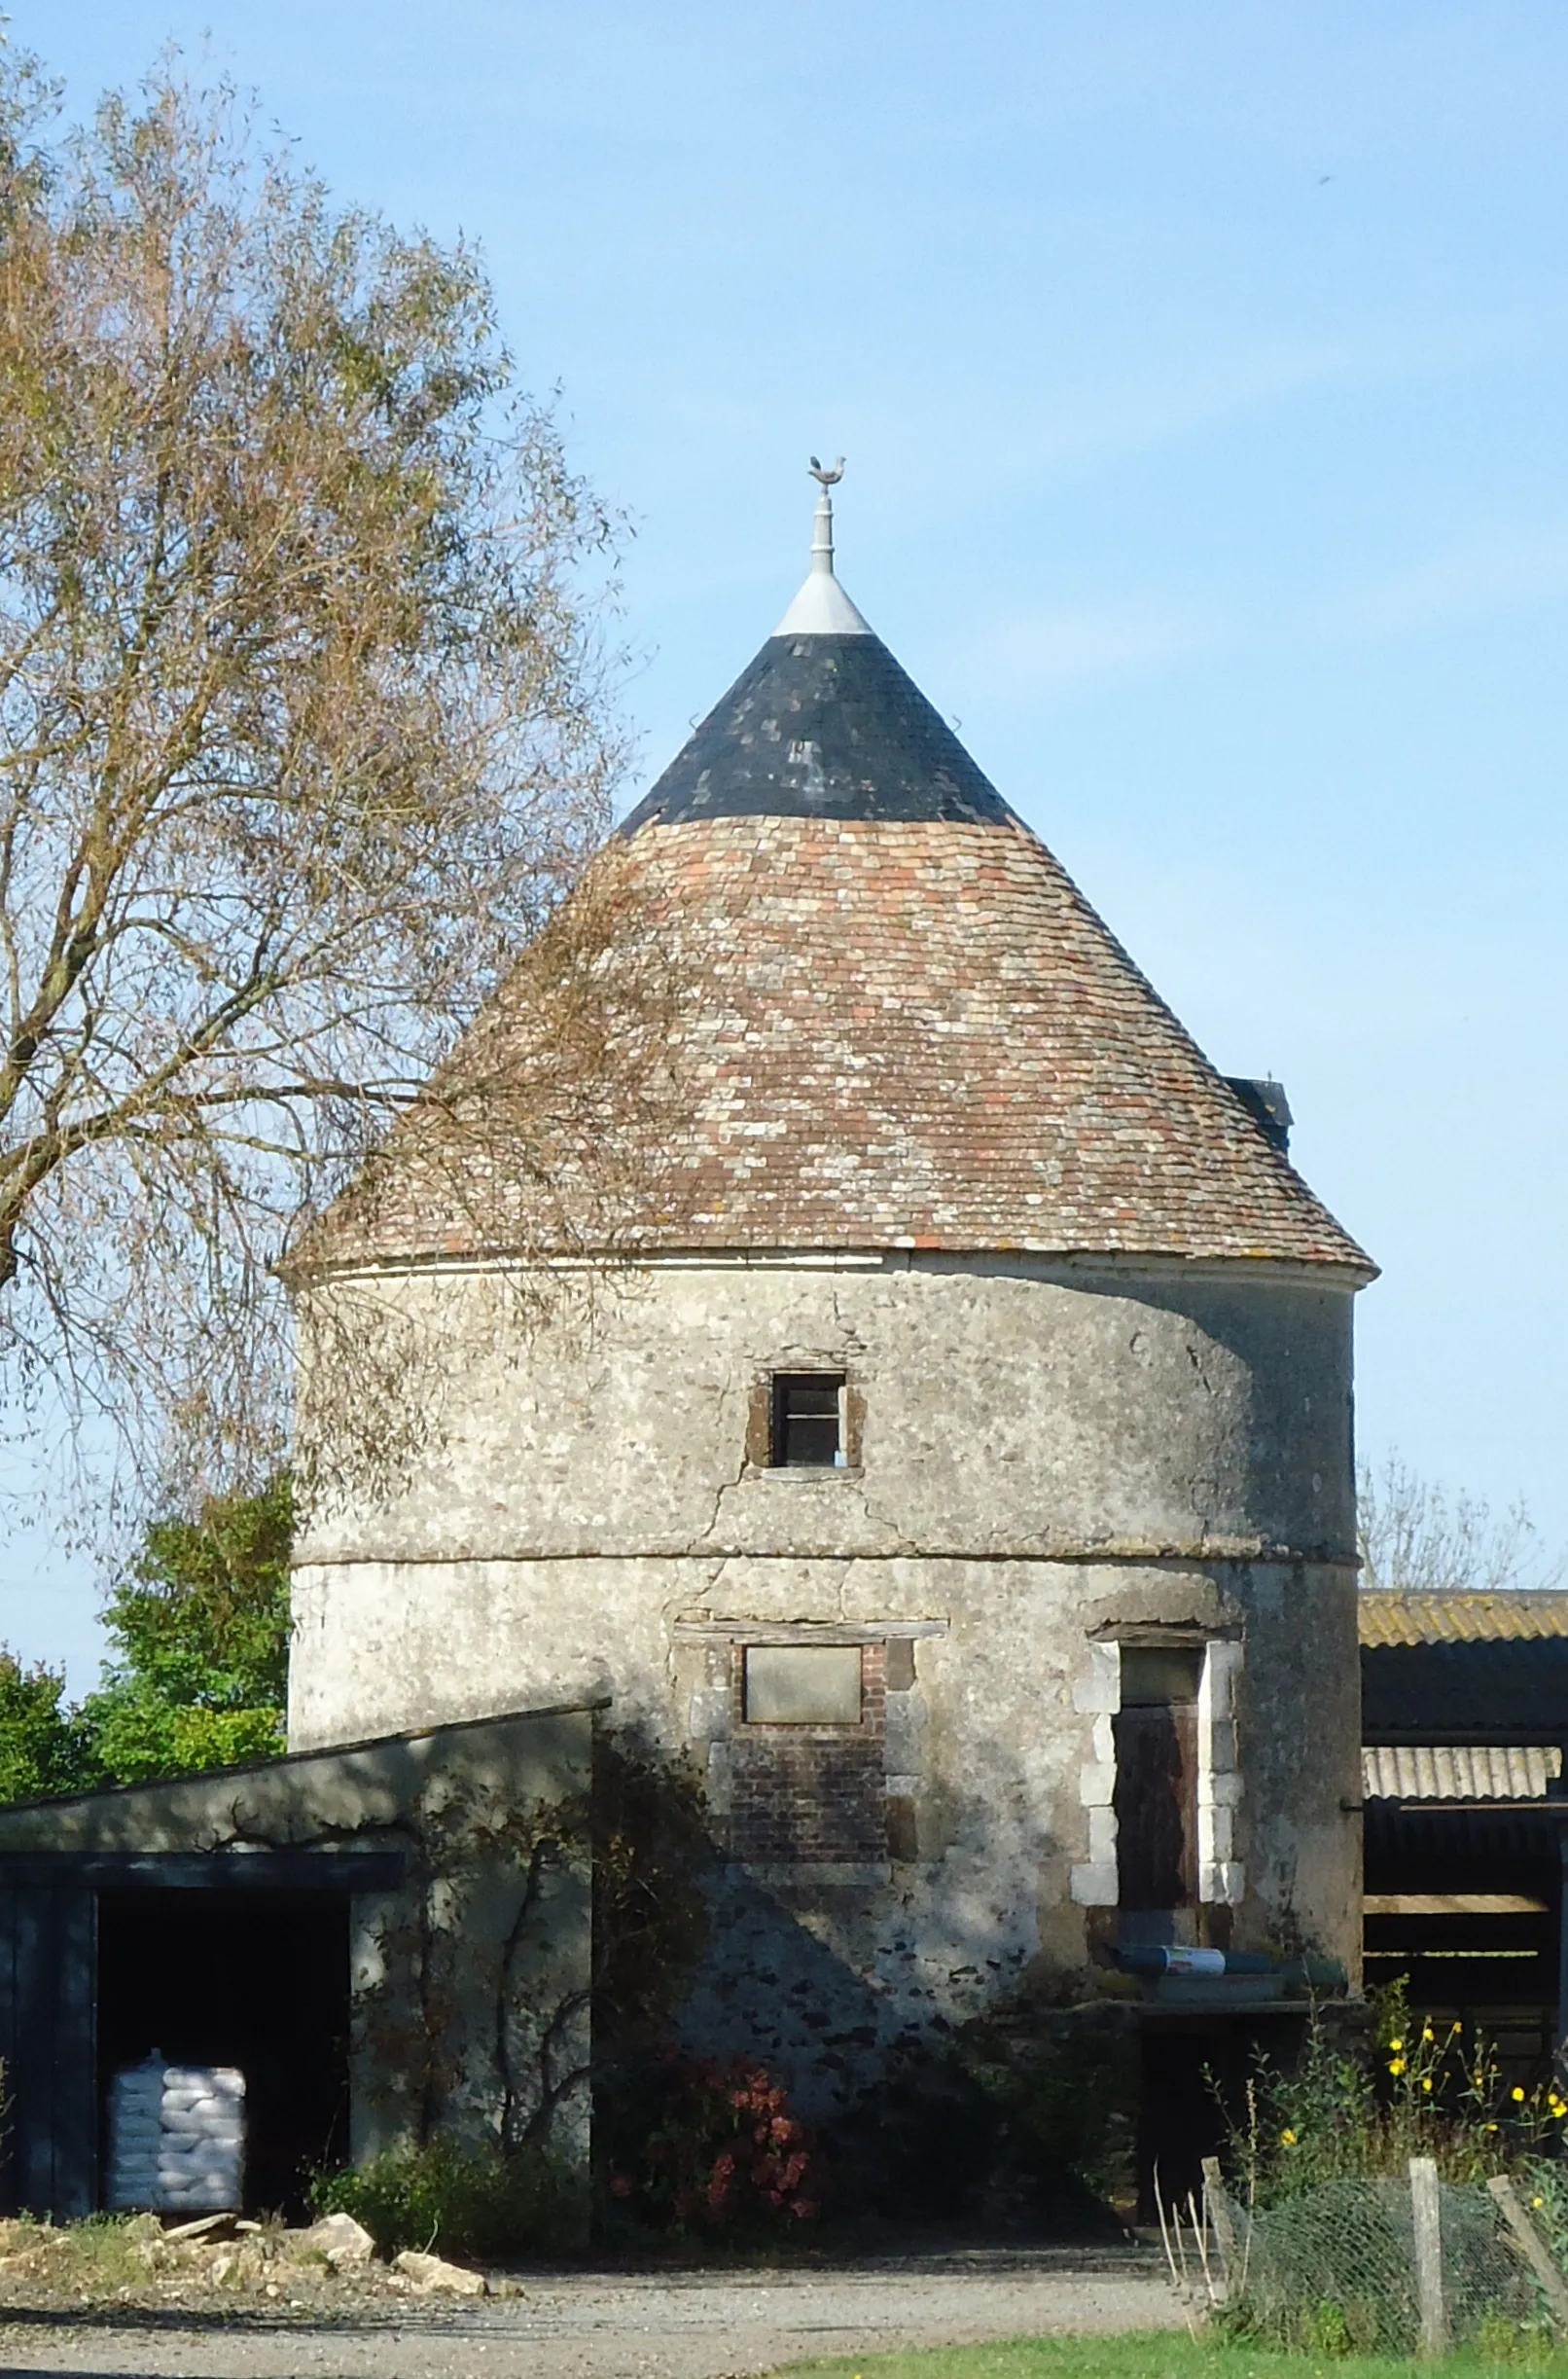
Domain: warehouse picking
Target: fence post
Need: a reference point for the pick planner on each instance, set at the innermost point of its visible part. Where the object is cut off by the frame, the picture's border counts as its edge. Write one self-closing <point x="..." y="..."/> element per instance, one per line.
<point x="1528" y="2239"/>
<point x="1425" y="2210"/>
<point x="1217" y="2205"/>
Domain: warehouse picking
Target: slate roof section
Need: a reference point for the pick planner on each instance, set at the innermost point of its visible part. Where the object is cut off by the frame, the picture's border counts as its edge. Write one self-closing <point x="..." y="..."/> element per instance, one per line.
<point x="829" y="726"/>
<point x="1455" y="1615"/>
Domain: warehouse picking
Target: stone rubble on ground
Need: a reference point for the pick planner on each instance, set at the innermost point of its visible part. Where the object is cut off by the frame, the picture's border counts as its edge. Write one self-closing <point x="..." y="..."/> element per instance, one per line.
<point x="346" y="2243"/>
<point x="333" y="2263"/>
<point x="433" y="2275"/>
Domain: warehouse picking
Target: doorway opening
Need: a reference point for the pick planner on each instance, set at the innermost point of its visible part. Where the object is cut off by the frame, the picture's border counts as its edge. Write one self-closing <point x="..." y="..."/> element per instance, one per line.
<point x="1156" y="1799"/>
<point x="254" y="1979"/>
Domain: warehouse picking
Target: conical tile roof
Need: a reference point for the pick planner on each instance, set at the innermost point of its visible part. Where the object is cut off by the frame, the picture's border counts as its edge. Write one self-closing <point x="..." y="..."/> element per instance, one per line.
<point x="888" y="1020"/>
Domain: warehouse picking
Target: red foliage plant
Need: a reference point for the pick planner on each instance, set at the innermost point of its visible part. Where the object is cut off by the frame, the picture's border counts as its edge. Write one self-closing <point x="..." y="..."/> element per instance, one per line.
<point x="724" y="2151"/>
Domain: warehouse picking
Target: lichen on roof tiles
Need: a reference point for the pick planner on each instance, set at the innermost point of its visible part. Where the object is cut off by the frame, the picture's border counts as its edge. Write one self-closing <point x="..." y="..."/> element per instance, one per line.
<point x="1457" y="1615"/>
<point x="891" y="1020"/>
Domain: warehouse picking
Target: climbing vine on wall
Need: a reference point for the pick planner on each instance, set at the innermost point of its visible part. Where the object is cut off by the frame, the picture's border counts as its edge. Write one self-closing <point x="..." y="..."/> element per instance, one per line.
<point x="651" y="1846"/>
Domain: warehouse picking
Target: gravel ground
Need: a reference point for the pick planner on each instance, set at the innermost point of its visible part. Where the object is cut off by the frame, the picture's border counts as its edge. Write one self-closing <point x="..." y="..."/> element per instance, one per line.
<point x="594" y="2325"/>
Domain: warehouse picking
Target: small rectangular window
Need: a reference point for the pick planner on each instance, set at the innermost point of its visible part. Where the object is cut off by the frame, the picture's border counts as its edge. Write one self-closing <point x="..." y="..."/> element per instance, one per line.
<point x="1155" y="1677"/>
<point x="802" y="1684"/>
<point x="808" y="1424"/>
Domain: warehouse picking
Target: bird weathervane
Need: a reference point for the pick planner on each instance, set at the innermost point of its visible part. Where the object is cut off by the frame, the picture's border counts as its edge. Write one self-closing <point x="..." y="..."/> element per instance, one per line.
<point x="824" y="476"/>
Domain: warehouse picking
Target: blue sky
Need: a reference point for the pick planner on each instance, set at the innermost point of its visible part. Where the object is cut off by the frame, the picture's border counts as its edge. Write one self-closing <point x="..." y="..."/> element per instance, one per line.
<point x="1203" y="374"/>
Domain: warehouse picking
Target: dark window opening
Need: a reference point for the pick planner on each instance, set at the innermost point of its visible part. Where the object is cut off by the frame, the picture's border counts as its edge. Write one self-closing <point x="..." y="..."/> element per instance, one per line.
<point x="1155" y="1800"/>
<point x="808" y="1419"/>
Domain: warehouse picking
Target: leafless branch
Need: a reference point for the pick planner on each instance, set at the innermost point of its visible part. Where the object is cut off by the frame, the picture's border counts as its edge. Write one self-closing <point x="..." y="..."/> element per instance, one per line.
<point x="303" y="735"/>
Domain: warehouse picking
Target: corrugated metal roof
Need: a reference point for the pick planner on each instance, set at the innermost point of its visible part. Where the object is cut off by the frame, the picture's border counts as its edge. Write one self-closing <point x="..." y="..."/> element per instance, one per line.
<point x="1449" y="1845"/>
<point x="1389" y="1619"/>
<point x="1512" y="1691"/>
<point x="1458" y="1772"/>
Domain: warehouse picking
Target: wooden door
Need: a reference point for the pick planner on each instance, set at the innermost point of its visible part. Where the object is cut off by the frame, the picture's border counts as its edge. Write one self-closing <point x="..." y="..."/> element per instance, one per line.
<point x="1155" y="1804"/>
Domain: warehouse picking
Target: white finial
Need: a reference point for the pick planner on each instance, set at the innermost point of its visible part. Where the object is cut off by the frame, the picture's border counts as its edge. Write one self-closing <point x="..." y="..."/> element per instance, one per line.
<point x="822" y="608"/>
<point x="822" y="525"/>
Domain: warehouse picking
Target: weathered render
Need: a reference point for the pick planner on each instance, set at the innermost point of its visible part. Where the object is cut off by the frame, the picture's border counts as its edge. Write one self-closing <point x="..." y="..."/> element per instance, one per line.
<point x="921" y="1135"/>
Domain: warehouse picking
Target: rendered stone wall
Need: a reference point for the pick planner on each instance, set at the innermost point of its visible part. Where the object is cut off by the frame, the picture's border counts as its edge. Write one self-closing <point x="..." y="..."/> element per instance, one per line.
<point x="1007" y="1407"/>
<point x="1050" y="1457"/>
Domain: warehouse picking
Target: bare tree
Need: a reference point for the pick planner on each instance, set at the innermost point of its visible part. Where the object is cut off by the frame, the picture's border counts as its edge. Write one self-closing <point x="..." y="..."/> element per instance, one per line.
<point x="1413" y="1536"/>
<point x="302" y="730"/>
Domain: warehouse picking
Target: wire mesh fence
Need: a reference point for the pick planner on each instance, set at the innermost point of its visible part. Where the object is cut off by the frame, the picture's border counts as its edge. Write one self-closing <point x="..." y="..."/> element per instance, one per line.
<point x="1367" y="2267"/>
<point x="1342" y="2258"/>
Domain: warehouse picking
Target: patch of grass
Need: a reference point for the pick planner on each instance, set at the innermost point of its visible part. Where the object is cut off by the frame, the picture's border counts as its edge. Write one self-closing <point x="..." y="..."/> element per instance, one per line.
<point x="95" y="2256"/>
<point x="1163" y="2354"/>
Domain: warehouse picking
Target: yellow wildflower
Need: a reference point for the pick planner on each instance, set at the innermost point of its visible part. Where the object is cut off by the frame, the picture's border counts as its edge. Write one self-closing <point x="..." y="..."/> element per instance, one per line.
<point x="1516" y="2095"/>
<point x="1287" y="2138"/>
<point x="1396" y="2046"/>
<point x="1426" y="2081"/>
<point x="1427" y="2033"/>
<point x="1538" y="2201"/>
<point x="1396" y="2065"/>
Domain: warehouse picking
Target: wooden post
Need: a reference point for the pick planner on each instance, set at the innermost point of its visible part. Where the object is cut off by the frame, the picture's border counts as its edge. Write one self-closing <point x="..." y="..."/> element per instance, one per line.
<point x="1217" y="2206"/>
<point x="1425" y="2210"/>
<point x="1531" y="2245"/>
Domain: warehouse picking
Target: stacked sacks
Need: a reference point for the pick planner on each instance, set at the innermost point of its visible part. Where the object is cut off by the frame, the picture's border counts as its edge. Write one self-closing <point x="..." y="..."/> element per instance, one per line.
<point x="201" y="2158"/>
<point x="135" y="2135"/>
<point x="177" y="2137"/>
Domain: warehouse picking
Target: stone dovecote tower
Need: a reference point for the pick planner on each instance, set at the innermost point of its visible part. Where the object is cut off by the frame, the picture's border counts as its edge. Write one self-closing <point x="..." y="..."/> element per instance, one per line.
<point x="957" y="1469"/>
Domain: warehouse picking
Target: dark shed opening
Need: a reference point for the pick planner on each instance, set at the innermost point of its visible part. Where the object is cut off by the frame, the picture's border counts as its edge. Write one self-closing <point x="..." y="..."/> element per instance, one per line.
<point x="254" y="1979"/>
<point x="212" y="1958"/>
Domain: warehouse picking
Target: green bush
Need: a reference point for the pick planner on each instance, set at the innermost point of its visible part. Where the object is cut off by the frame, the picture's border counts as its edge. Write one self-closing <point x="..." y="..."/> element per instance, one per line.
<point x="200" y="1635"/>
<point x="480" y="2204"/>
<point x="45" y="1749"/>
<point x="197" y="1673"/>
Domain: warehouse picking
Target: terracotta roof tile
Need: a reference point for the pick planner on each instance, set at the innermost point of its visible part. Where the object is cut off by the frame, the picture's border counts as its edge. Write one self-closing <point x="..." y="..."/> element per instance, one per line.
<point x="906" y="1032"/>
<point x="846" y="1000"/>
